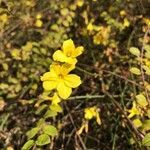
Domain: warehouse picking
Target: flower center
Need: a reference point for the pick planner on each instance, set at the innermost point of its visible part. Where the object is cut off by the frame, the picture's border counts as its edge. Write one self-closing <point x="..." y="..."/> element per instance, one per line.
<point x="60" y="76"/>
<point x="69" y="54"/>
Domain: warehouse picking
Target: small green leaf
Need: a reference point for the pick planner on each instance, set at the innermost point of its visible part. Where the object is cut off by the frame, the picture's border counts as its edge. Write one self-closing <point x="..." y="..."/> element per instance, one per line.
<point x="50" y="113"/>
<point x="43" y="139"/>
<point x="50" y="130"/>
<point x="40" y="109"/>
<point x="146" y="125"/>
<point x="135" y="51"/>
<point x="147" y="47"/>
<point x="141" y="99"/>
<point x="30" y="134"/>
<point x="147" y="69"/>
<point x="147" y="55"/>
<point x="135" y="70"/>
<point x="146" y="140"/>
<point x="40" y="122"/>
<point x="28" y="145"/>
<point x="56" y="108"/>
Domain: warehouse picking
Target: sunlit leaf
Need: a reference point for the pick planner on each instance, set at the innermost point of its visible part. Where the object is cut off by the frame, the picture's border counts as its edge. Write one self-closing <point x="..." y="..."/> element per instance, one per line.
<point x="32" y="132"/>
<point x="135" y="51"/>
<point x="135" y="70"/>
<point x="56" y="108"/>
<point x="146" y="140"/>
<point x="28" y="145"/>
<point x="50" y="113"/>
<point x="146" y="125"/>
<point x="43" y="139"/>
<point x="141" y="99"/>
<point x="50" y="130"/>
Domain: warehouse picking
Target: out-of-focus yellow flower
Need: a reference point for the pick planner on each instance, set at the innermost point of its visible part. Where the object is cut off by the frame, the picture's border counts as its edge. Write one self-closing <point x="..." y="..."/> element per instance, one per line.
<point x="126" y="22"/>
<point x="16" y="54"/>
<point x="38" y="23"/>
<point x="102" y="37"/>
<point x="146" y="21"/>
<point x="68" y="53"/>
<point x="90" y="27"/>
<point x="59" y="79"/>
<point x="133" y="111"/>
<point x="3" y="18"/>
<point x="80" y="3"/>
<point x="122" y="13"/>
<point x="92" y="112"/>
<point x="137" y="123"/>
<point x="39" y="16"/>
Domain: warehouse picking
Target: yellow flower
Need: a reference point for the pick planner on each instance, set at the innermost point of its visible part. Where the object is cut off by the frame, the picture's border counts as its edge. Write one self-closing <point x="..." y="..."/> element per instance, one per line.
<point x="38" y="23"/>
<point x="133" y="111"/>
<point x="92" y="112"/>
<point x="3" y="18"/>
<point x="68" y="53"/>
<point x="80" y="3"/>
<point x="59" y="79"/>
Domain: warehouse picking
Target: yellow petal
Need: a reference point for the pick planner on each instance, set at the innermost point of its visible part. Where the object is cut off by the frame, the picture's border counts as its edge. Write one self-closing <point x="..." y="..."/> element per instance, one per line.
<point x="78" y="51"/>
<point x="68" y="47"/>
<point x="59" y="56"/>
<point x="88" y="113"/>
<point x="49" y="85"/>
<point x="66" y="68"/>
<point x="98" y="120"/>
<point x="63" y="90"/>
<point x="48" y="76"/>
<point x="72" y="80"/>
<point x="55" y="99"/>
<point x="56" y="68"/>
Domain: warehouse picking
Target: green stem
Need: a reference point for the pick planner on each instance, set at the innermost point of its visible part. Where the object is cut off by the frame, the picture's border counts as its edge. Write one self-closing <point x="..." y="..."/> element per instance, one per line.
<point x="90" y="97"/>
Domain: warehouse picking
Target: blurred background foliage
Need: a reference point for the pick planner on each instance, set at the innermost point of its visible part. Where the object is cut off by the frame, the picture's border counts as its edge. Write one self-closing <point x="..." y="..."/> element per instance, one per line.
<point x="31" y="30"/>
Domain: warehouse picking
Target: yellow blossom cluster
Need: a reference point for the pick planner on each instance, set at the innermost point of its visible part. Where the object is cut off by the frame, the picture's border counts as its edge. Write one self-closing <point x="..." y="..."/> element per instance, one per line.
<point x="58" y="79"/>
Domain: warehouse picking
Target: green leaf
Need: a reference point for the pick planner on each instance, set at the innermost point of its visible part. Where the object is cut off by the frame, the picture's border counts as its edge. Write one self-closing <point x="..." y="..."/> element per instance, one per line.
<point x="50" y="130"/>
<point x="146" y="140"/>
<point x="40" y="109"/>
<point x="30" y="134"/>
<point x="56" y="108"/>
<point x="28" y="145"/>
<point x="50" y="113"/>
<point x="147" y="54"/>
<point x="147" y="69"/>
<point x="40" y="122"/>
<point x="135" y="51"/>
<point x="141" y="99"/>
<point x="147" y="47"/>
<point x="146" y="125"/>
<point x="135" y="70"/>
<point x="43" y="139"/>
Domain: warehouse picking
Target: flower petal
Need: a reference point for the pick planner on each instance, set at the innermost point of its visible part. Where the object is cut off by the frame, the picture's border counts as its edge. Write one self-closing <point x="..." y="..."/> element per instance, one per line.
<point x="63" y="90"/>
<point x="55" y="99"/>
<point x="49" y="85"/>
<point x="78" y="51"/>
<point x="72" y="80"/>
<point x="59" y="56"/>
<point x="49" y="76"/>
<point x="68" y="47"/>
